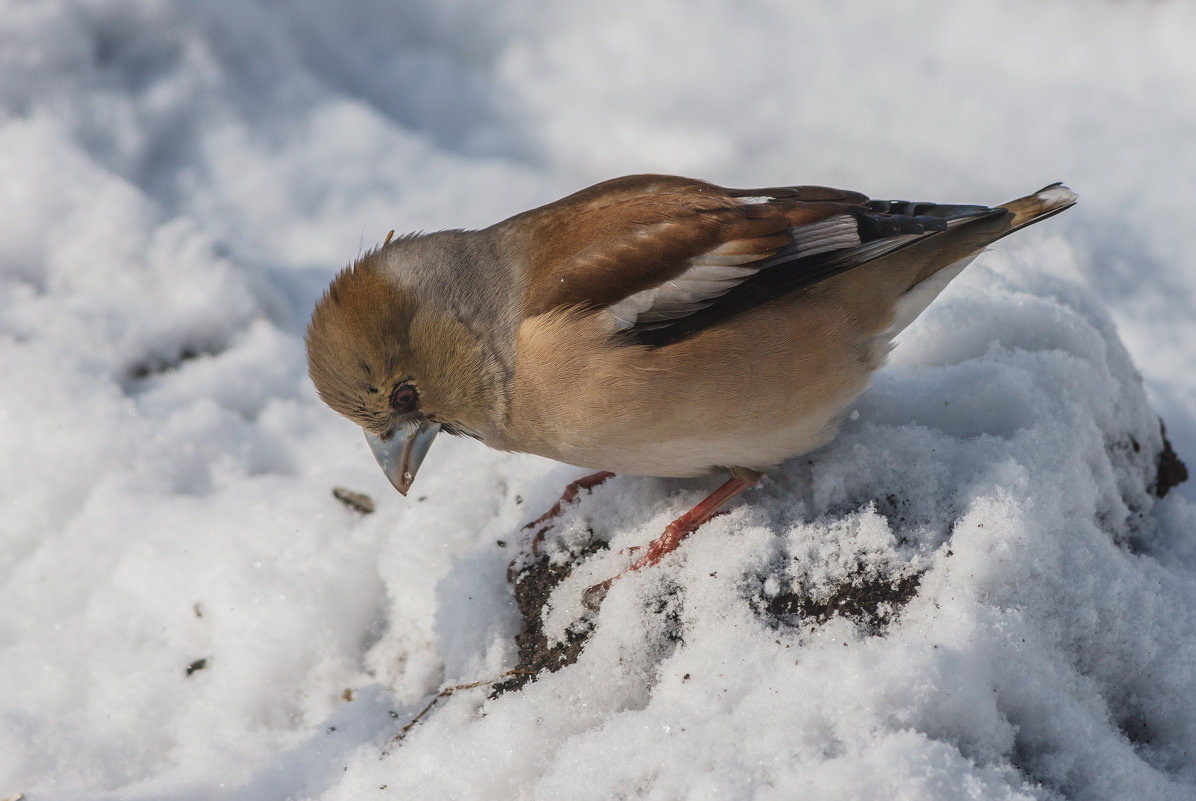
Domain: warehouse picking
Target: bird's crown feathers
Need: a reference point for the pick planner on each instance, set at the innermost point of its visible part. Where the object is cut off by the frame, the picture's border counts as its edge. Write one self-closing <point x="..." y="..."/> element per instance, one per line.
<point x="356" y="341"/>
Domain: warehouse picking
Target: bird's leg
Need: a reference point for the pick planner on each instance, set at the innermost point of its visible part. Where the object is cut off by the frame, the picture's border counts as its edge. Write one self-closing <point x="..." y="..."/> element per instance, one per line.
<point x="544" y="522"/>
<point x="568" y="496"/>
<point x="677" y="531"/>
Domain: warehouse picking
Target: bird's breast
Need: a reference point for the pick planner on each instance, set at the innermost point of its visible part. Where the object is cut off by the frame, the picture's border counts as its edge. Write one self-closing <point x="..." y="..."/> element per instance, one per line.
<point x="764" y="387"/>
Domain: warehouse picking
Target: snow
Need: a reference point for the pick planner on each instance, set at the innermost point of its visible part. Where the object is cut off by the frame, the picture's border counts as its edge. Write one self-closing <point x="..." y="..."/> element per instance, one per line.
<point x="178" y="183"/>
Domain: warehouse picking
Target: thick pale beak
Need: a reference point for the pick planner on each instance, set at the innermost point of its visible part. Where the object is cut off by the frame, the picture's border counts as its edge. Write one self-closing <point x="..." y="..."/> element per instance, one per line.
<point x="401" y="454"/>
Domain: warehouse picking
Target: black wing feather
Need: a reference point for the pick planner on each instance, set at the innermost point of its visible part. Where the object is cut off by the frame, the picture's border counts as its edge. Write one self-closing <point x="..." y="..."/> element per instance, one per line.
<point x="885" y="226"/>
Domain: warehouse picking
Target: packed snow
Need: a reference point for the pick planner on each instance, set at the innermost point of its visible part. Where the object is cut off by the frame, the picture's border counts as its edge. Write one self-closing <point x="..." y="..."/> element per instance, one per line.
<point x="974" y="592"/>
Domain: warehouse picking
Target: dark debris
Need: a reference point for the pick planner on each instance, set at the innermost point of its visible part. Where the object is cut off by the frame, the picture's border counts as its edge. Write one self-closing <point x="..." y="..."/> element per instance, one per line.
<point x="153" y="365"/>
<point x="1171" y="471"/>
<point x="871" y="601"/>
<point x="533" y="587"/>
<point x="357" y="501"/>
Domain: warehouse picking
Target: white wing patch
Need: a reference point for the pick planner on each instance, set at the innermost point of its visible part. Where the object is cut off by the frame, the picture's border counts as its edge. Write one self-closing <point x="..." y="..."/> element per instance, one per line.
<point x="704" y="282"/>
<point x="718" y="271"/>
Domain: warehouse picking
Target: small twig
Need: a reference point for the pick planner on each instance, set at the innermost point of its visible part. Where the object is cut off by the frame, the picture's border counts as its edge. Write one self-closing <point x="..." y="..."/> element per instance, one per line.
<point x="445" y="693"/>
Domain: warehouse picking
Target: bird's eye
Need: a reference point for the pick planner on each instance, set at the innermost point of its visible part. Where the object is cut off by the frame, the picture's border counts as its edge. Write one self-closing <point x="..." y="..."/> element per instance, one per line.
<point x="403" y="398"/>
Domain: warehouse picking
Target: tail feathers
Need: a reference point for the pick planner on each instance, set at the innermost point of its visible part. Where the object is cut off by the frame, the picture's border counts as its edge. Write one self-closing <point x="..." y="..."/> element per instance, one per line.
<point x="1048" y="201"/>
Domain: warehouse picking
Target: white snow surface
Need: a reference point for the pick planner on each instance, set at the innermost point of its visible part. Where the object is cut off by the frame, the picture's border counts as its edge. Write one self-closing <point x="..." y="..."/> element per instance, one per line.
<point x="180" y="180"/>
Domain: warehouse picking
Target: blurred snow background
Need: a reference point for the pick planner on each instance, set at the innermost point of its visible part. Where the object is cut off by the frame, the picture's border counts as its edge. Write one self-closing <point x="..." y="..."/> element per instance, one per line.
<point x="178" y="182"/>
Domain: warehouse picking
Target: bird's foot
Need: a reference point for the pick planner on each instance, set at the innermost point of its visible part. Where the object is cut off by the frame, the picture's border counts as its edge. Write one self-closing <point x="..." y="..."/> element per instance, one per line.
<point x="667" y="542"/>
<point x="673" y="535"/>
<point x="543" y="524"/>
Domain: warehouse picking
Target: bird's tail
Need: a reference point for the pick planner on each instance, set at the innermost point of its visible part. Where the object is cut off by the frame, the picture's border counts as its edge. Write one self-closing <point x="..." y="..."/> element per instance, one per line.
<point x="1046" y="202"/>
<point x="939" y="262"/>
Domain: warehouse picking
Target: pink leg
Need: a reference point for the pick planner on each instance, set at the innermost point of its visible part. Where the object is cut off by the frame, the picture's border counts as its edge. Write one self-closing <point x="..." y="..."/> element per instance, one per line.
<point x="568" y="496"/>
<point x="544" y="522"/>
<point x="673" y="534"/>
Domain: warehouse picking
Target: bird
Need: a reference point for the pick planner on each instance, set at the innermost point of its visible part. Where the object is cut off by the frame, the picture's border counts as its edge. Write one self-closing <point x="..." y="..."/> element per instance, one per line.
<point x="651" y="325"/>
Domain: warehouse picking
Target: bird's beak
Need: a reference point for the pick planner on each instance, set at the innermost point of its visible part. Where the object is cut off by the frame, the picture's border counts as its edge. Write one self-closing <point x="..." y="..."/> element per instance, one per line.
<point x="401" y="454"/>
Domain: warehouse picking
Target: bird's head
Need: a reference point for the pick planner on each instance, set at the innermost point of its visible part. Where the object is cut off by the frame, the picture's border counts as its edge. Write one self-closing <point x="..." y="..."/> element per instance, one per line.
<point x="396" y="364"/>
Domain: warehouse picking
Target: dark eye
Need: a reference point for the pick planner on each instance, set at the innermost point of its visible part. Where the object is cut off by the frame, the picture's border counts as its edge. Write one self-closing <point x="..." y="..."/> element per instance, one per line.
<point x="403" y="398"/>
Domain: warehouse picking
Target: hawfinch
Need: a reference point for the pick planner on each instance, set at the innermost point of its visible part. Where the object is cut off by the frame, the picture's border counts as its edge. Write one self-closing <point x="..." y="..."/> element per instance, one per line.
<point x="651" y="324"/>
